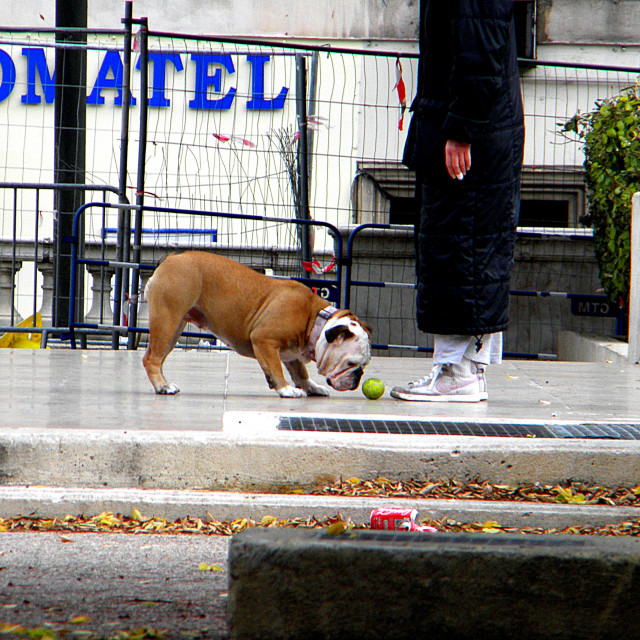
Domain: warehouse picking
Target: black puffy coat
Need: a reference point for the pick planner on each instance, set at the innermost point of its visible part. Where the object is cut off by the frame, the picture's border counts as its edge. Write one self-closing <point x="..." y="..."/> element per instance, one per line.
<point x="468" y="91"/>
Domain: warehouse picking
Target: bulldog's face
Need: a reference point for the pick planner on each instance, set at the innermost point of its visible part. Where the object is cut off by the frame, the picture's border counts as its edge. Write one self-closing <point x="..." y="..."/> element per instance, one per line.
<point x="343" y="351"/>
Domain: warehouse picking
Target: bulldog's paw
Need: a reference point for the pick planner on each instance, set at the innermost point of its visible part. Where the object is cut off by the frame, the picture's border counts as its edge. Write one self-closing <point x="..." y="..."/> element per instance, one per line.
<point x="313" y="389"/>
<point x="291" y="392"/>
<point x="168" y="389"/>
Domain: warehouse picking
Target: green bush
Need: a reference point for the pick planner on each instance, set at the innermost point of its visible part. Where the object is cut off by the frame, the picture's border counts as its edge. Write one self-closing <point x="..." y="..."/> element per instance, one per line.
<point x="611" y="137"/>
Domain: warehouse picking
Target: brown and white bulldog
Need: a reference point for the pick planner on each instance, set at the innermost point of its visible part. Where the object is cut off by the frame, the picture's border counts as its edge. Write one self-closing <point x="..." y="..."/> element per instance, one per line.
<point x="274" y="321"/>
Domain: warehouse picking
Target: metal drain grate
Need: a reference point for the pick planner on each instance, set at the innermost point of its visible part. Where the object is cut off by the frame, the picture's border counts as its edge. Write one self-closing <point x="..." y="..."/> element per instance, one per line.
<point x="462" y="428"/>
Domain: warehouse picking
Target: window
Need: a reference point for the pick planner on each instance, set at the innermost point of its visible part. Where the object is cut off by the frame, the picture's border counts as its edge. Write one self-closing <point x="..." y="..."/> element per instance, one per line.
<point x="552" y="197"/>
<point x="383" y="192"/>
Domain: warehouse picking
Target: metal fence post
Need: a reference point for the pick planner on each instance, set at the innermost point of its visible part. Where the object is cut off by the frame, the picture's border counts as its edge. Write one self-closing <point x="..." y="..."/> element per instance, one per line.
<point x="142" y="152"/>
<point x="124" y="216"/>
<point x="303" y="156"/>
<point x="70" y="141"/>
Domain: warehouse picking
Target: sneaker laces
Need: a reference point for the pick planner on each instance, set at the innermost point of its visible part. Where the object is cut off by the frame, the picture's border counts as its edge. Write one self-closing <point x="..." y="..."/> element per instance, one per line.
<point x="429" y="379"/>
<point x="435" y="373"/>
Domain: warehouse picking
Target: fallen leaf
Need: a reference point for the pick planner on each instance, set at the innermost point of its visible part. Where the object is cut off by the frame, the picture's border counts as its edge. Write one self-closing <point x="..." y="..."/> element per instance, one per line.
<point x="107" y="519"/>
<point x="203" y="566"/>
<point x="567" y="496"/>
<point x="11" y="628"/>
<point x="80" y="619"/>
<point x="136" y="515"/>
<point x="241" y="524"/>
<point x="491" y="526"/>
<point x="40" y="633"/>
<point x="337" y="528"/>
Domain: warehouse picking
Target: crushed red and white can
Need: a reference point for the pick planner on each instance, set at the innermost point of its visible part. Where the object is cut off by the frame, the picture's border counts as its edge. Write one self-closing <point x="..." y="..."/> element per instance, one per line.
<point x="397" y="520"/>
<point x="414" y="526"/>
<point x="392" y="519"/>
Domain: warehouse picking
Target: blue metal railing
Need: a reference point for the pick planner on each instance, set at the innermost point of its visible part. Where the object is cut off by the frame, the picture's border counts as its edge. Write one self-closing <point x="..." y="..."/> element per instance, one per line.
<point x="329" y="288"/>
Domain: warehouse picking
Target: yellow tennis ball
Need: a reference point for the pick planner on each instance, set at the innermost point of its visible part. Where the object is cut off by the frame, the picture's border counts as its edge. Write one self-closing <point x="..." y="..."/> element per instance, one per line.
<point x="373" y="388"/>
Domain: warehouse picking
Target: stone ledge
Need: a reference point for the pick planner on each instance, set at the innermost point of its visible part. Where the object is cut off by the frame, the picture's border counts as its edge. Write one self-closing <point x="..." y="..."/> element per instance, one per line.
<point x="579" y="347"/>
<point x="288" y="584"/>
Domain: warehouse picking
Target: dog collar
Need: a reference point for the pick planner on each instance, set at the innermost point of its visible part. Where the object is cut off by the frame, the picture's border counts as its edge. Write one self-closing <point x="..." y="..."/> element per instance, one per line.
<point x="309" y="351"/>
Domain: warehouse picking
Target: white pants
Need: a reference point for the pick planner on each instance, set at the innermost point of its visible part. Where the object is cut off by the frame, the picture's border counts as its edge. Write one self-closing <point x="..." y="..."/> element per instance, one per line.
<point x="451" y="349"/>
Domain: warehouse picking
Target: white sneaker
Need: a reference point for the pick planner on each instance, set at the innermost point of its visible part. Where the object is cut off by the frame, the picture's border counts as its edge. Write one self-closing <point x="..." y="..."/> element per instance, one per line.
<point x="446" y="383"/>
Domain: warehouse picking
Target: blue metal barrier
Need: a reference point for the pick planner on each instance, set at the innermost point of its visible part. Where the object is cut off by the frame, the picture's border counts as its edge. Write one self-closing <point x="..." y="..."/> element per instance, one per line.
<point x="168" y="231"/>
<point x="330" y="289"/>
<point x="590" y="305"/>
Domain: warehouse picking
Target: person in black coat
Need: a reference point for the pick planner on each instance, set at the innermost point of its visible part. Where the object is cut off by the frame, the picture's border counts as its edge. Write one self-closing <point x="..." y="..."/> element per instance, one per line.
<point x="465" y="143"/>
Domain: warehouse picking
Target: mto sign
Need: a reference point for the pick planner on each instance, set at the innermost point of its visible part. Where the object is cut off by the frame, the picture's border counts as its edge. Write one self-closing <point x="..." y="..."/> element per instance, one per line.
<point x="593" y="306"/>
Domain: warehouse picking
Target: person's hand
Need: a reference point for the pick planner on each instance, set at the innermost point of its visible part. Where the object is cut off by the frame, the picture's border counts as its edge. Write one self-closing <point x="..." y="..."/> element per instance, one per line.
<point x="457" y="157"/>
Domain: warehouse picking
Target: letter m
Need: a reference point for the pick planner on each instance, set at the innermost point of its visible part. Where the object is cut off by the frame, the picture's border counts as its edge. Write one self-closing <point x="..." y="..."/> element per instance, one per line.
<point x="37" y="66"/>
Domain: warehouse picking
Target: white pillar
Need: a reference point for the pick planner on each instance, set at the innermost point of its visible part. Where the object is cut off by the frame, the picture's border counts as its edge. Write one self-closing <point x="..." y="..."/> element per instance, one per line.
<point x="634" y="288"/>
<point x="100" y="312"/>
<point x="9" y="317"/>
<point x="46" y="269"/>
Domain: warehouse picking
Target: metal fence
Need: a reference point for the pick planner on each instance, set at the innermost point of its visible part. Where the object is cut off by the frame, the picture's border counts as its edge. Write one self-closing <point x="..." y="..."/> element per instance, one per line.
<point x="284" y="261"/>
<point x="248" y="136"/>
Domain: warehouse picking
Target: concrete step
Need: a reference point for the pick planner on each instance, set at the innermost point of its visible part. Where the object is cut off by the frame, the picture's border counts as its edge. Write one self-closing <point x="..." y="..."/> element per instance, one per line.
<point x="57" y="502"/>
<point x="251" y="454"/>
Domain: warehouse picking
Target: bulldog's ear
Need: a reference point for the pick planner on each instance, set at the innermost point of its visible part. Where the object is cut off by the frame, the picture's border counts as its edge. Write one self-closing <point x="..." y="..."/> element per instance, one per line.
<point x="338" y="330"/>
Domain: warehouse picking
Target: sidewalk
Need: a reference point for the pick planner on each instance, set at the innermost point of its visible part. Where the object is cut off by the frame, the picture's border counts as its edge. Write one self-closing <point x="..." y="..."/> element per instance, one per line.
<point x="90" y="419"/>
<point x="107" y="390"/>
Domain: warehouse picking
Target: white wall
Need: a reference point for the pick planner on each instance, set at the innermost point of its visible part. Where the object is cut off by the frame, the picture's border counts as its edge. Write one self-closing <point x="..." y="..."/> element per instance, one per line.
<point x="589" y="21"/>
<point x="332" y="19"/>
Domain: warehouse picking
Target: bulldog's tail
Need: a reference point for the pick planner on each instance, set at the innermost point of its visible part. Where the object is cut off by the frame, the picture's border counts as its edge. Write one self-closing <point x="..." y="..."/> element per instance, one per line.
<point x="145" y="293"/>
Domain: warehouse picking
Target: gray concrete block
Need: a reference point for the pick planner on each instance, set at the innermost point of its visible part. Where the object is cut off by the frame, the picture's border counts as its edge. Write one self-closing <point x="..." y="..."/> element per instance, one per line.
<point x="368" y="584"/>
